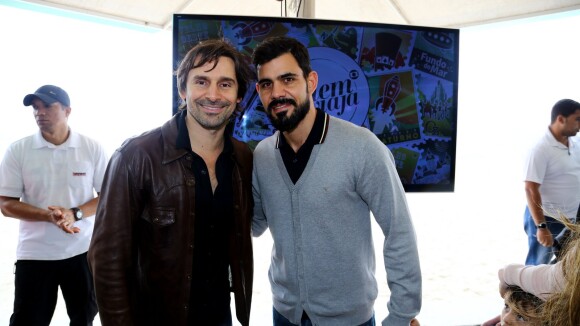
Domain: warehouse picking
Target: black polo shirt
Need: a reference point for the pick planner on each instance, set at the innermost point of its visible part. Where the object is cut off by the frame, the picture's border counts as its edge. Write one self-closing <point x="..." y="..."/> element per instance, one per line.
<point x="210" y="286"/>
<point x="295" y="163"/>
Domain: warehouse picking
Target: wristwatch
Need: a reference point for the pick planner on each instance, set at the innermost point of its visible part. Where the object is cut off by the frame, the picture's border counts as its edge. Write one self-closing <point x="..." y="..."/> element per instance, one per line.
<point x="542" y="226"/>
<point x="77" y="213"/>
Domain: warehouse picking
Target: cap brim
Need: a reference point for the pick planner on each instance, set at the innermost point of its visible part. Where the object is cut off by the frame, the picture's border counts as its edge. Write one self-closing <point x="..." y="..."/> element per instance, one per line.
<point x="30" y="97"/>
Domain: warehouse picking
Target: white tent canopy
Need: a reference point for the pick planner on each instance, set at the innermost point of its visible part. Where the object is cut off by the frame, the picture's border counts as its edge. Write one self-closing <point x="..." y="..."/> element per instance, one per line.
<point x="436" y="13"/>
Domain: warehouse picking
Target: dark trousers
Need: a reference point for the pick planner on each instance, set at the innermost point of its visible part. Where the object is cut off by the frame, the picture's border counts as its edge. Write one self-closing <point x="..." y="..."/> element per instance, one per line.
<point x="36" y="291"/>
<point x="280" y="320"/>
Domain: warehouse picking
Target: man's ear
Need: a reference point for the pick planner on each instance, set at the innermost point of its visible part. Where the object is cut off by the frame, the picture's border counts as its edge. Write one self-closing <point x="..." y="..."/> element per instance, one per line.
<point x="312" y="81"/>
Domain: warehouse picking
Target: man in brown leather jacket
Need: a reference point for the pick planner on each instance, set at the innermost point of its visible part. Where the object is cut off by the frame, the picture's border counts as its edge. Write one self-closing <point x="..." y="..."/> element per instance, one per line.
<point x="172" y="233"/>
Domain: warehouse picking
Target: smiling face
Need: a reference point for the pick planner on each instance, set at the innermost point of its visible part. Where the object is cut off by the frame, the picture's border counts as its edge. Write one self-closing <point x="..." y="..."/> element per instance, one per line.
<point x="211" y="93"/>
<point x="284" y="92"/>
<point x="50" y="118"/>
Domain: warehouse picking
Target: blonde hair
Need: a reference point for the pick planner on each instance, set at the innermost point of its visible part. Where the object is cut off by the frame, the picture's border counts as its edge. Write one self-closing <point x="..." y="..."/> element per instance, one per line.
<point x="524" y="304"/>
<point x="563" y="308"/>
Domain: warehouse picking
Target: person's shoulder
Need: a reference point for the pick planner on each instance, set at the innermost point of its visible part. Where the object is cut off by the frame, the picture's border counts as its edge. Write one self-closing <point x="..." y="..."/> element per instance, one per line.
<point x="267" y="143"/>
<point x="543" y="140"/>
<point x="347" y="134"/>
<point x="22" y="143"/>
<point x="23" y="140"/>
<point x="240" y="147"/>
<point x="140" y="142"/>
<point x="340" y="126"/>
<point x="84" y="138"/>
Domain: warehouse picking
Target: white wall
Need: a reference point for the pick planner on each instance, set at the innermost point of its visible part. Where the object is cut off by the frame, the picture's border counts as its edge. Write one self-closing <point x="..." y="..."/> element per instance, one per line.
<point x="510" y="76"/>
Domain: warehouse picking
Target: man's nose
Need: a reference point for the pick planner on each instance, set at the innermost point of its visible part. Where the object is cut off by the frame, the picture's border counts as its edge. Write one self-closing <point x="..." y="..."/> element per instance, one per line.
<point x="278" y="90"/>
<point x="213" y="92"/>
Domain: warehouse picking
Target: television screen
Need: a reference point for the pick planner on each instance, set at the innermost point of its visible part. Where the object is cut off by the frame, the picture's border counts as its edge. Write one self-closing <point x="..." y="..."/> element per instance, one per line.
<point x="398" y="81"/>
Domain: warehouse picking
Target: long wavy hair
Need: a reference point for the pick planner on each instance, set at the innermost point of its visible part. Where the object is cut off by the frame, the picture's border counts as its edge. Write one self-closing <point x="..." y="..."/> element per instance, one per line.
<point x="563" y="308"/>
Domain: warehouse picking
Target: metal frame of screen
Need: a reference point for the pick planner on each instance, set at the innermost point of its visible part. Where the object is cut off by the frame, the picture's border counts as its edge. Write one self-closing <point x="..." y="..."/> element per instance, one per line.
<point x="399" y="81"/>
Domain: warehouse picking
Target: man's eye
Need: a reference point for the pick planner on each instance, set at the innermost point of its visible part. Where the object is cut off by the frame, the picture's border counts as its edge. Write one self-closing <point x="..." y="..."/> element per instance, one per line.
<point x="288" y="80"/>
<point x="226" y="85"/>
<point x="199" y="82"/>
<point x="521" y="318"/>
<point x="265" y="85"/>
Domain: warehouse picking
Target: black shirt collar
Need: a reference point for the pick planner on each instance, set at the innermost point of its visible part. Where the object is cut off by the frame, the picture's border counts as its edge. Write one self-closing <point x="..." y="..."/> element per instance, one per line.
<point x="317" y="134"/>
<point x="182" y="141"/>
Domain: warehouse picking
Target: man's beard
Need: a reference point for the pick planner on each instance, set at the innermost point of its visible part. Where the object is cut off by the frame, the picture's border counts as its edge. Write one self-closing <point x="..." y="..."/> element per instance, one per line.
<point x="211" y="122"/>
<point x="288" y="123"/>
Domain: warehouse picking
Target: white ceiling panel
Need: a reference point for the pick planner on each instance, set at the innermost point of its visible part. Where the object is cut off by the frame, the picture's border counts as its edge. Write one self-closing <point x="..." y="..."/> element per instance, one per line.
<point x="436" y="13"/>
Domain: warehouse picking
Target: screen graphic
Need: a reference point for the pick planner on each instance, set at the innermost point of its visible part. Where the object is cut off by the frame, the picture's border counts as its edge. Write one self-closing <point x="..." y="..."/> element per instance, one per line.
<point x="398" y="81"/>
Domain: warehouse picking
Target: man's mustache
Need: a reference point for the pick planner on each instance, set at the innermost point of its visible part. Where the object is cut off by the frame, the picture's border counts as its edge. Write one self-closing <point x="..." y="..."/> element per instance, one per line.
<point x="279" y="101"/>
<point x="213" y="103"/>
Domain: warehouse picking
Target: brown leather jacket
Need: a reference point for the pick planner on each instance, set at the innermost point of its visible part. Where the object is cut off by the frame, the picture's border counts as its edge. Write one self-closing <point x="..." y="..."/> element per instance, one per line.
<point x="141" y="250"/>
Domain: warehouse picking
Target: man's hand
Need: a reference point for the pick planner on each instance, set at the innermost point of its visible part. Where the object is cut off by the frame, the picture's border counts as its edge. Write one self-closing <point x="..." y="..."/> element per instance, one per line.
<point x="63" y="218"/>
<point x="544" y="237"/>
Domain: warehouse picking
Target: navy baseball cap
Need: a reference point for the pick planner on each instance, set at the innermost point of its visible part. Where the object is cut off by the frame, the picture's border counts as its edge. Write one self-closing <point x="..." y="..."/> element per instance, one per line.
<point x="48" y="94"/>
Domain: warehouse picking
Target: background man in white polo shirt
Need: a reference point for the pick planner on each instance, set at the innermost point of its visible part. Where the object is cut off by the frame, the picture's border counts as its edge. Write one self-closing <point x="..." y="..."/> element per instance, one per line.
<point x="48" y="181"/>
<point x="552" y="181"/>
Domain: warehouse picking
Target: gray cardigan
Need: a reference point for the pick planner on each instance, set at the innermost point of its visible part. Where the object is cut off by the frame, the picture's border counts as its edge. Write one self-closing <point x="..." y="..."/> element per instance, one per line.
<point x="323" y="255"/>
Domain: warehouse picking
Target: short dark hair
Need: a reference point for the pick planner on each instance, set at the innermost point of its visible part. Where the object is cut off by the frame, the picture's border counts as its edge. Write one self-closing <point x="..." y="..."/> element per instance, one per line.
<point x="210" y="51"/>
<point x="565" y="108"/>
<point x="273" y="47"/>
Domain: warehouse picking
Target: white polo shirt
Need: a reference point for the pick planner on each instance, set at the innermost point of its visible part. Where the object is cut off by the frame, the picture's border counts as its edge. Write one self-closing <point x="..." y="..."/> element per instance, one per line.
<point x="557" y="169"/>
<point x="43" y="174"/>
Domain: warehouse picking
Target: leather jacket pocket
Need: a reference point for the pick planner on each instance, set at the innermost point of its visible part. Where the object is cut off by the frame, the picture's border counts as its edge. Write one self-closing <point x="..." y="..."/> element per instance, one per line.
<point x="161" y="216"/>
<point x="157" y="232"/>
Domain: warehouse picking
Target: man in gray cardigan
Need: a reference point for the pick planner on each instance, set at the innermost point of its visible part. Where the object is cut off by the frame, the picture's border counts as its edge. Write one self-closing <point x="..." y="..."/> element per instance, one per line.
<point x="315" y="182"/>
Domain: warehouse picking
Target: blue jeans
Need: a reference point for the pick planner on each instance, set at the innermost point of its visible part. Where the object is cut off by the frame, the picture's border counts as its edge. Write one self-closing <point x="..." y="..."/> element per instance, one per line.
<point x="280" y="320"/>
<point x="538" y="254"/>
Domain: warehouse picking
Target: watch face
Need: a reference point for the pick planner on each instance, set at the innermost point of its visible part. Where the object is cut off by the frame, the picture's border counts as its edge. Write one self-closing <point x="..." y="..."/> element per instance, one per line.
<point x="78" y="214"/>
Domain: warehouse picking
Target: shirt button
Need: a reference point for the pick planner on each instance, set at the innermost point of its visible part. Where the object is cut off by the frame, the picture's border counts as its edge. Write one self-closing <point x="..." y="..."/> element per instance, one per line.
<point x="204" y="172"/>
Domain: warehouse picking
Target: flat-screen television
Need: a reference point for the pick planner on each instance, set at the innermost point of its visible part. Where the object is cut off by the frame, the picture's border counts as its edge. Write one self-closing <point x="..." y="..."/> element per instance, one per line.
<point x="399" y="81"/>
